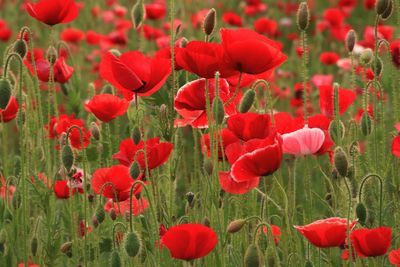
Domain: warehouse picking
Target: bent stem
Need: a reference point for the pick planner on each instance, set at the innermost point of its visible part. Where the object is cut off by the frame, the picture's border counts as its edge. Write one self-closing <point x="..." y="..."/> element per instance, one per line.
<point x="364" y="180"/>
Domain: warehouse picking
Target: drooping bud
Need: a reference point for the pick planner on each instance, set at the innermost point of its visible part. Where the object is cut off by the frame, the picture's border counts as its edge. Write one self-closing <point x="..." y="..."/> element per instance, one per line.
<point x="272" y="257"/>
<point x="206" y="221"/>
<point x="95" y="222"/>
<point x="377" y="66"/>
<point x="66" y="248"/>
<point x="67" y="157"/>
<point x="388" y="12"/>
<point x="303" y="16"/>
<point x="351" y="39"/>
<point x="381" y="6"/>
<point x="361" y="212"/>
<point x="309" y="264"/>
<point x="100" y="214"/>
<point x="218" y="110"/>
<point x="137" y="14"/>
<point x="113" y="214"/>
<point x="366" y="56"/>
<point x="34" y="245"/>
<point x="20" y="47"/>
<point x="95" y="131"/>
<point x="136" y="135"/>
<point x="340" y="161"/>
<point x="210" y="21"/>
<point x="107" y="89"/>
<point x="336" y="130"/>
<point x="134" y="170"/>
<point x="366" y="124"/>
<point x="5" y="93"/>
<point x="132" y="244"/>
<point x="51" y="55"/>
<point x="236" y="226"/>
<point x="247" y="101"/>
<point x="184" y="42"/>
<point x="252" y="257"/>
<point x="16" y="199"/>
<point x="208" y="166"/>
<point x="190" y="198"/>
<point x="115" y="259"/>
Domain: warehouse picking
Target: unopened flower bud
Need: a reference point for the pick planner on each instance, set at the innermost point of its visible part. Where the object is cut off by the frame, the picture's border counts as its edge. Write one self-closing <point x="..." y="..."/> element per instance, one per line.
<point x="65" y="247"/>
<point x="236" y="226"/>
<point x="366" y="56"/>
<point x="381" y="6"/>
<point x="377" y="66"/>
<point x="206" y="221"/>
<point x="95" y="131"/>
<point x="350" y="41"/>
<point x="218" y="110"/>
<point x="107" y="89"/>
<point x="210" y="21"/>
<point x="52" y="55"/>
<point x="5" y="93"/>
<point x="20" y="47"/>
<point x="183" y="43"/>
<point x="336" y="130"/>
<point x="303" y="16"/>
<point x="67" y="157"/>
<point x="137" y="14"/>
<point x="34" y="245"/>
<point x="361" y="212"/>
<point x="388" y="12"/>
<point x="366" y="124"/>
<point x="115" y="259"/>
<point x="253" y="256"/>
<point x="136" y="135"/>
<point x="247" y="101"/>
<point x="341" y="162"/>
<point x="113" y="214"/>
<point x="132" y="244"/>
<point x="134" y="170"/>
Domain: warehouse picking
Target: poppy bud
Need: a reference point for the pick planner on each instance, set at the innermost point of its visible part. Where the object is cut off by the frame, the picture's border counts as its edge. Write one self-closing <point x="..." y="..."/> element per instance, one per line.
<point x="218" y="110"/>
<point x="3" y="236"/>
<point x="20" y="48"/>
<point x="134" y="170"/>
<point x="67" y="157"/>
<point x="247" y="101"/>
<point x="95" y="222"/>
<point x="183" y="43"/>
<point x="361" y="212"/>
<point x="95" y="131"/>
<point x="366" y="56"/>
<point x="381" y="6"/>
<point x="252" y="257"/>
<point x="388" y="12"/>
<point x="336" y="130"/>
<point x="90" y="198"/>
<point x="107" y="89"/>
<point x="236" y="226"/>
<point x="115" y="260"/>
<point x="5" y="93"/>
<point x="303" y="16"/>
<point x="16" y="200"/>
<point x="208" y="166"/>
<point x="113" y="214"/>
<point x="100" y="214"/>
<point x="328" y="199"/>
<point x="190" y="197"/>
<point x="66" y="247"/>
<point x="136" y="135"/>
<point x="34" y="245"/>
<point x="137" y="14"/>
<point x="51" y="55"/>
<point x="340" y="161"/>
<point x="309" y="264"/>
<point x="377" y="66"/>
<point x="132" y="244"/>
<point x="115" y="52"/>
<point x="206" y="221"/>
<point x="351" y="39"/>
<point x="210" y="20"/>
<point x="272" y="257"/>
<point x="366" y="124"/>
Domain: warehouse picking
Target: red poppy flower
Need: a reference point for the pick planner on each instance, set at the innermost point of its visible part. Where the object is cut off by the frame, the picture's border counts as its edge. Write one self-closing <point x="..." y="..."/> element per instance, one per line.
<point x="329" y="58"/>
<point x="233" y="19"/>
<point x="61" y="70"/>
<point x="138" y="206"/>
<point x="266" y="26"/>
<point x="285" y="123"/>
<point x="247" y="126"/>
<point x="189" y="241"/>
<point x="190" y="101"/>
<point x="63" y="190"/>
<point x="334" y="17"/>
<point x="395" y="52"/>
<point x="394" y="257"/>
<point x="228" y="184"/>
<point x="276" y="232"/>
<point x="326" y="233"/>
<point x="155" y="11"/>
<point x="369" y="4"/>
<point x="5" y="31"/>
<point x="157" y="152"/>
<point x="249" y="52"/>
<point x="225" y="136"/>
<point x="10" y="112"/>
<point x="72" y="35"/>
<point x="107" y="107"/>
<point x="255" y="158"/>
<point x="346" y="98"/>
<point x="120" y="179"/>
<point x="133" y="72"/>
<point x="52" y="12"/>
<point x="396" y="146"/>
<point x="371" y="242"/>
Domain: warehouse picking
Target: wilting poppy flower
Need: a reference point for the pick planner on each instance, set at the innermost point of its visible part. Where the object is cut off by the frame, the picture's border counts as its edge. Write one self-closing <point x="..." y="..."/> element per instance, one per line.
<point x="302" y="142"/>
<point x="371" y="242"/>
<point x="346" y="98"/>
<point x="107" y="107"/>
<point x="249" y="52"/>
<point x="10" y="112"/>
<point x="116" y="182"/>
<point x="255" y="158"/>
<point x="134" y="73"/>
<point x="189" y="241"/>
<point x="394" y="257"/>
<point x="157" y="153"/>
<point x="326" y="233"/>
<point x="138" y="206"/>
<point x="247" y="126"/>
<point x="190" y="101"/>
<point x="229" y="185"/>
<point x="52" y="12"/>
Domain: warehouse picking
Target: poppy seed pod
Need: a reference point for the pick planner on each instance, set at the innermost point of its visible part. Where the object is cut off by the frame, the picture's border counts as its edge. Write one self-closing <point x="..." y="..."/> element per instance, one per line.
<point x="136" y="135"/>
<point x="5" y="93"/>
<point x="132" y="244"/>
<point x="361" y="212"/>
<point x="95" y="131"/>
<point x="247" y="101"/>
<point x="235" y="226"/>
<point x="20" y="47"/>
<point x="303" y="16"/>
<point x="210" y="21"/>
<point x="366" y="124"/>
<point x="115" y="259"/>
<point x="377" y="66"/>
<point x="134" y="170"/>
<point x="67" y="157"/>
<point x="137" y="14"/>
<point x="336" y="130"/>
<point x="218" y="110"/>
<point x="253" y="257"/>
<point x="366" y="56"/>
<point x="34" y="245"/>
<point x="388" y="12"/>
<point x="340" y="161"/>
<point x="350" y="41"/>
<point x="381" y="6"/>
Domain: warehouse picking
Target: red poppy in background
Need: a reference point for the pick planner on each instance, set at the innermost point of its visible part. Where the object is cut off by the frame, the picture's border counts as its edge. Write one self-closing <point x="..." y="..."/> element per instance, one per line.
<point x="157" y="153"/>
<point x="155" y="11"/>
<point x="10" y="112"/>
<point x="62" y="189"/>
<point x="120" y="179"/>
<point x="5" y="31"/>
<point x="394" y="257"/>
<point x="107" y="107"/>
<point x="326" y="233"/>
<point x="134" y="73"/>
<point x="371" y="242"/>
<point x="190" y="101"/>
<point x="395" y="52"/>
<point x="346" y="98"/>
<point x="233" y="19"/>
<point x="52" y="12"/>
<point x="189" y="241"/>
<point x="276" y="232"/>
<point x="249" y="52"/>
<point x="72" y="35"/>
<point x="329" y="58"/>
<point x="247" y="126"/>
<point x="122" y="207"/>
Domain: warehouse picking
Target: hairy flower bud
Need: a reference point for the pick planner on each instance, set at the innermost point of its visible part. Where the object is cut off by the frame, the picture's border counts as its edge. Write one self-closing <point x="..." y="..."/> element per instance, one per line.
<point x="253" y="256"/>
<point x="247" y="101"/>
<point x="5" y="93"/>
<point x="303" y="16"/>
<point x="134" y="170"/>
<point x="340" y="161"/>
<point x="350" y="41"/>
<point x="136" y="135"/>
<point x="366" y="124"/>
<point x="20" y="47"/>
<point x="236" y="226"/>
<point x="132" y="244"/>
<point x="137" y="14"/>
<point x="381" y="6"/>
<point x="389" y="10"/>
<point x="115" y="259"/>
<point x="366" y="56"/>
<point x="95" y="131"/>
<point x="67" y="157"/>
<point x="210" y="21"/>
<point x="361" y="212"/>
